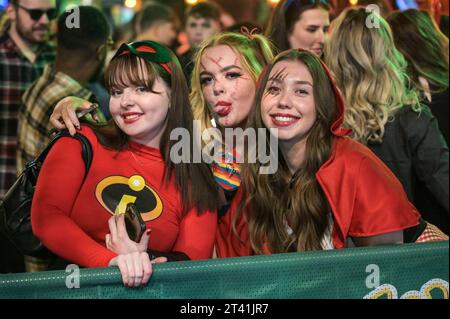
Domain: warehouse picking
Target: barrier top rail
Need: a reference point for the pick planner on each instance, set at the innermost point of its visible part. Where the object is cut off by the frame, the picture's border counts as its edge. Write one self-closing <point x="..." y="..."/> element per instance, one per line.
<point x="402" y="271"/>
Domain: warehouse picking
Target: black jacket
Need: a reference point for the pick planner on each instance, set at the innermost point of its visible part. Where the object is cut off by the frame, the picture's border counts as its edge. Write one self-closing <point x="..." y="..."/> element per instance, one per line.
<point x="440" y="108"/>
<point x="415" y="150"/>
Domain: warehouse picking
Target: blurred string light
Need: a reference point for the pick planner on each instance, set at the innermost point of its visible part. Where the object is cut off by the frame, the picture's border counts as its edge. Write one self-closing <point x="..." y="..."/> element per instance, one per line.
<point x="121" y="14"/>
<point x="191" y="2"/>
<point x="130" y="3"/>
<point x="273" y="3"/>
<point x="353" y="2"/>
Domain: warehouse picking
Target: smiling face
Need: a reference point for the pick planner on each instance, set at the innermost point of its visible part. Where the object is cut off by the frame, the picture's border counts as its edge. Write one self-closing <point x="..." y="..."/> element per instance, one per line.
<point x="309" y="31"/>
<point x="140" y="113"/>
<point x="227" y="86"/>
<point x="288" y="102"/>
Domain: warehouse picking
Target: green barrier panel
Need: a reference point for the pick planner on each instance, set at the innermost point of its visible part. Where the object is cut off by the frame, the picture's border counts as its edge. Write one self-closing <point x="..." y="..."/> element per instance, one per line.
<point x="403" y="271"/>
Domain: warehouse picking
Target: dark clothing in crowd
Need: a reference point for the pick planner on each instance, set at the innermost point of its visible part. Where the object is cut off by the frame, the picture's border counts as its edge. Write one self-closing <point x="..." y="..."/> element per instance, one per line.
<point x="443" y="25"/>
<point x="415" y="150"/>
<point x="16" y="74"/>
<point x="439" y="107"/>
<point x="431" y="210"/>
<point x="187" y="63"/>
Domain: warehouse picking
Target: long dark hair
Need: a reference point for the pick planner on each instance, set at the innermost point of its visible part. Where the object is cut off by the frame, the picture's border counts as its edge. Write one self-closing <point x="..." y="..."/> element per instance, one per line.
<point x="424" y="46"/>
<point x="274" y="199"/>
<point x="193" y="180"/>
<point x="284" y="17"/>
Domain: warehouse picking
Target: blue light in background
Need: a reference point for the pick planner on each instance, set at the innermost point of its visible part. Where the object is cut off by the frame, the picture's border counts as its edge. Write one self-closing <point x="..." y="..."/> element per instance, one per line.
<point x="3" y="4"/>
<point x="126" y="15"/>
<point x="406" y="4"/>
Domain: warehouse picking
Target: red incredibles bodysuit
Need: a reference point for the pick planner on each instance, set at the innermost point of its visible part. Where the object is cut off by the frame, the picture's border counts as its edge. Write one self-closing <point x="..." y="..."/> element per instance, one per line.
<point x="71" y="216"/>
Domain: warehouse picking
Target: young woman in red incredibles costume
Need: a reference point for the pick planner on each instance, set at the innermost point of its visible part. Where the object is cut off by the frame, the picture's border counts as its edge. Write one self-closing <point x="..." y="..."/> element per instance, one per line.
<point x="81" y="221"/>
<point x="329" y="191"/>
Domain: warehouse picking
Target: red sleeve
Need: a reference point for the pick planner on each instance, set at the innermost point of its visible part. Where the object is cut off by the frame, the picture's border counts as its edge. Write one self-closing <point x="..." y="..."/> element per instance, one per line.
<point x="381" y="205"/>
<point x="228" y="243"/>
<point x="196" y="234"/>
<point x="57" y="188"/>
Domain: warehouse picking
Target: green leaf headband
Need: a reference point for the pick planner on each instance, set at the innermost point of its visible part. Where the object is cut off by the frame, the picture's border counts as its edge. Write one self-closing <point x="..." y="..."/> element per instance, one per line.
<point x="149" y="50"/>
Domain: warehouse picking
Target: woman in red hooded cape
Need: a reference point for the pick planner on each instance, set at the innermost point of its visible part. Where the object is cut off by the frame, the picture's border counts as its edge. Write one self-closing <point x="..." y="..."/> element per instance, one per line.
<point x="328" y="191"/>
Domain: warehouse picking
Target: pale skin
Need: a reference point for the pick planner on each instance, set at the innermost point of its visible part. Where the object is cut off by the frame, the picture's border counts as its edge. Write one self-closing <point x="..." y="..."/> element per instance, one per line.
<point x="288" y="104"/>
<point x="133" y="260"/>
<point x="227" y="86"/>
<point x="310" y="30"/>
<point x="140" y="113"/>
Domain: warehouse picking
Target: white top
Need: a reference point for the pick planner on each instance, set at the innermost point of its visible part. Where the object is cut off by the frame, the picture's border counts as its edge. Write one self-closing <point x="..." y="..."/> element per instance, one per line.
<point x="327" y="242"/>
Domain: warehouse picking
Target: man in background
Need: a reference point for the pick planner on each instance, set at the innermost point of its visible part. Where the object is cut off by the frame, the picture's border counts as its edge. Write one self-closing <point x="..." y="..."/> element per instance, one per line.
<point x="80" y="58"/>
<point x="24" y="52"/>
<point x="156" y="22"/>
<point x="202" y="22"/>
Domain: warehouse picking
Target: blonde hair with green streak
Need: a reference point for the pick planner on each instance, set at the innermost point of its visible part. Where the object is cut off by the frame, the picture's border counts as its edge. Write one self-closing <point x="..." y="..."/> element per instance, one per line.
<point x="254" y="51"/>
<point x="370" y="72"/>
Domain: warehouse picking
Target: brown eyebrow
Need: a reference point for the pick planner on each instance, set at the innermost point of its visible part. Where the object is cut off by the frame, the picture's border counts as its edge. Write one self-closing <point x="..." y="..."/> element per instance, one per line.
<point x="279" y="80"/>
<point x="317" y="26"/>
<point x="303" y="82"/>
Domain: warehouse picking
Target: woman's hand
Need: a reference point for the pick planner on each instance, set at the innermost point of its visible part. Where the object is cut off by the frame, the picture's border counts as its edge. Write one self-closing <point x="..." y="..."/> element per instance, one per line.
<point x="118" y="240"/>
<point x="135" y="268"/>
<point x="64" y="115"/>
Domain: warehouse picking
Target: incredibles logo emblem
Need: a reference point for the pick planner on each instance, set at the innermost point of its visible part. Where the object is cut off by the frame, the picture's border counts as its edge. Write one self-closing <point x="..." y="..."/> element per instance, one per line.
<point x="115" y="192"/>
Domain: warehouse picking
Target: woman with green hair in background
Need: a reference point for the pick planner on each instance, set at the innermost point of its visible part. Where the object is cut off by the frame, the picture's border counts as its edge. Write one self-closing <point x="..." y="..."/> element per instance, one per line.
<point x="425" y="48"/>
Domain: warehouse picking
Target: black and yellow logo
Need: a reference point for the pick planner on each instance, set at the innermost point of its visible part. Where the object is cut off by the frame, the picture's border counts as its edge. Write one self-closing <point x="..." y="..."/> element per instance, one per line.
<point x="115" y="192"/>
